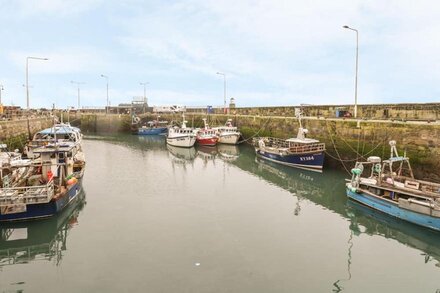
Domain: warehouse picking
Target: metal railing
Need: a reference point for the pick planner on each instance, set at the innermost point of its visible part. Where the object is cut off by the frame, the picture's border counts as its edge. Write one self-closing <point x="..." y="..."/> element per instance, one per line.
<point x="27" y="194"/>
<point x="293" y="147"/>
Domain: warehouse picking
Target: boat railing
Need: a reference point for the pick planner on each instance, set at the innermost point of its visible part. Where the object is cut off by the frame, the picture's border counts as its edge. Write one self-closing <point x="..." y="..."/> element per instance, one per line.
<point x="27" y="194"/>
<point x="313" y="147"/>
<point x="295" y="148"/>
<point x="275" y="142"/>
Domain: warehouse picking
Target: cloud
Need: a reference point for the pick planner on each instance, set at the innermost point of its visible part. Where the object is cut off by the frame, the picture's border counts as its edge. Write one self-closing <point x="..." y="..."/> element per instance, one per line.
<point x="273" y="52"/>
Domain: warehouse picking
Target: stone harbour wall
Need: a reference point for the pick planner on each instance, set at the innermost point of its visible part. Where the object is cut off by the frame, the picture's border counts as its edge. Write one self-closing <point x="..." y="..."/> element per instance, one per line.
<point x="427" y="111"/>
<point x="15" y="133"/>
<point x="346" y="139"/>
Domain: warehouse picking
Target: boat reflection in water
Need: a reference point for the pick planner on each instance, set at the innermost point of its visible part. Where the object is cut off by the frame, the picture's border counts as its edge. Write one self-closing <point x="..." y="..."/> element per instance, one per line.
<point x="207" y="153"/>
<point x="364" y="220"/>
<point x="24" y="242"/>
<point x="228" y="152"/>
<point x="153" y="140"/>
<point x="181" y="155"/>
<point x="322" y="190"/>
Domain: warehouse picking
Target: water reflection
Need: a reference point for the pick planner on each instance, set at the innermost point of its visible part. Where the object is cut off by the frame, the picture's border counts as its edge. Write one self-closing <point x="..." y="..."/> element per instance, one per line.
<point x="207" y="154"/>
<point x="182" y="155"/>
<point x="327" y="190"/>
<point x="157" y="141"/>
<point x="25" y="242"/>
<point x="370" y="222"/>
<point x="228" y="152"/>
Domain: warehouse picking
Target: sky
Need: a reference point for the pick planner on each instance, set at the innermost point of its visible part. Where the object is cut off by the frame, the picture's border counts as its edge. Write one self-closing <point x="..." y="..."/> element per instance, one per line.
<point x="272" y="52"/>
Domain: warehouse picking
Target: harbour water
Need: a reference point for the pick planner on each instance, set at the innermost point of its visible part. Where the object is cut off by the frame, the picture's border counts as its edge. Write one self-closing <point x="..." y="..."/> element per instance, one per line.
<point x="160" y="219"/>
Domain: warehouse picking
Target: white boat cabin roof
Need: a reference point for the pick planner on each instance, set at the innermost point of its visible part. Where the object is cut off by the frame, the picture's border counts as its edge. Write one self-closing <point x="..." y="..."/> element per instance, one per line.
<point x="55" y="148"/>
<point x="302" y="140"/>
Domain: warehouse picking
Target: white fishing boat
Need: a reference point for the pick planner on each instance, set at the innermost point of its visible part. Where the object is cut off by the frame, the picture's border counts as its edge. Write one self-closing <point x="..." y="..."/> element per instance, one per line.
<point x="181" y="136"/>
<point x="228" y="134"/>
<point x="61" y="133"/>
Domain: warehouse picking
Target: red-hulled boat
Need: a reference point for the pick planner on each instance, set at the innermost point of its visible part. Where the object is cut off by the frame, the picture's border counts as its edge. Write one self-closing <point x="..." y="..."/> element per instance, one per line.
<point x="207" y="136"/>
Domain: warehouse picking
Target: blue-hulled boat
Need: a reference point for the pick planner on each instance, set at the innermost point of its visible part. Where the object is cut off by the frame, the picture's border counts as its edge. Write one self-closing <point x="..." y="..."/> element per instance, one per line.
<point x="300" y="152"/>
<point x="154" y="127"/>
<point x="50" y="179"/>
<point x="392" y="189"/>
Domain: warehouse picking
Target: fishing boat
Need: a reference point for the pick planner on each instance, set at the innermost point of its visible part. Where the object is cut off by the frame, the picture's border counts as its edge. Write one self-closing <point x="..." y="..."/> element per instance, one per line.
<point x="228" y="134"/>
<point x="182" y="136"/>
<point x="154" y="127"/>
<point x="389" y="186"/>
<point x="207" y="136"/>
<point x="59" y="133"/>
<point x="300" y="152"/>
<point x="45" y="240"/>
<point x="52" y="180"/>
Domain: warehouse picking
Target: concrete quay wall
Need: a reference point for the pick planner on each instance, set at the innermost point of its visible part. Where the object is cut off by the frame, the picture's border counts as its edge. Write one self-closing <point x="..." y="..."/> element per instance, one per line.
<point x="15" y="133"/>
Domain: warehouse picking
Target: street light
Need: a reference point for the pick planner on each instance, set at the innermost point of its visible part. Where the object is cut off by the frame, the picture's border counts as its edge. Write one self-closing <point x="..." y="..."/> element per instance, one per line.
<point x="106" y="77"/>
<point x="357" y="58"/>
<point x="78" y="83"/>
<point x="27" y="76"/>
<point x="145" y="93"/>
<point x="224" y="90"/>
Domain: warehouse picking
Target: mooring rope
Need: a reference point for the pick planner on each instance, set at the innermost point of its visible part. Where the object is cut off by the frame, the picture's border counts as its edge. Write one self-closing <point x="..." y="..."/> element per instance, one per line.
<point x="256" y="133"/>
<point x="336" y="150"/>
<point x="360" y="155"/>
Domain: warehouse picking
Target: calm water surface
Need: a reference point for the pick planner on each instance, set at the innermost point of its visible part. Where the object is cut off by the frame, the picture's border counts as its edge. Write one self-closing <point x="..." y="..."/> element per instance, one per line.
<point x="158" y="219"/>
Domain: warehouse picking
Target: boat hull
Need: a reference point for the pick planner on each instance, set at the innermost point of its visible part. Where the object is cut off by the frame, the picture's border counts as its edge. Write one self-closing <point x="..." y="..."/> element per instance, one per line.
<point x="211" y="141"/>
<point x="394" y="210"/>
<point x="309" y="161"/>
<point x="229" y="138"/>
<point x="152" y="131"/>
<point x="43" y="210"/>
<point x="183" y="141"/>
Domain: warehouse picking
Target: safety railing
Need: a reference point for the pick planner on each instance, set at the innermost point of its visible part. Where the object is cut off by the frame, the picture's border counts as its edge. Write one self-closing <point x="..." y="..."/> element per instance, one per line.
<point x="27" y="194"/>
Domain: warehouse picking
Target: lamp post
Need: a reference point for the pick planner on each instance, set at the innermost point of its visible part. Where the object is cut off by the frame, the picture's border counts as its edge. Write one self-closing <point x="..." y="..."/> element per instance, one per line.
<point x="145" y="94"/>
<point x="27" y="76"/>
<point x="224" y="90"/>
<point x="78" y="83"/>
<point x="357" y="58"/>
<point x="106" y="77"/>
